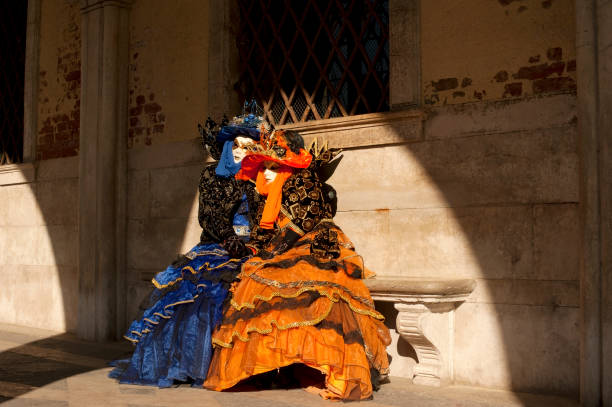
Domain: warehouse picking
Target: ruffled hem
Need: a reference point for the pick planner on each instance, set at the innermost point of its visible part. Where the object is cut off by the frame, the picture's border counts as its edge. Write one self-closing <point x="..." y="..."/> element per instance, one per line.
<point x="295" y="308"/>
<point x="345" y="364"/>
<point x="208" y="273"/>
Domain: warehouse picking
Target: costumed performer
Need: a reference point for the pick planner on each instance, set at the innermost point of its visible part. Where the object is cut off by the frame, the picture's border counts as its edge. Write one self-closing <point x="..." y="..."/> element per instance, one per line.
<point x="172" y="337"/>
<point x="300" y="299"/>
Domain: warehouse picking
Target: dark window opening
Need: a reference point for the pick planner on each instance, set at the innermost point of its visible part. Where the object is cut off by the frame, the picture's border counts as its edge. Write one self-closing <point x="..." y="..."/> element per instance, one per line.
<point x="314" y="59"/>
<point x="13" y="22"/>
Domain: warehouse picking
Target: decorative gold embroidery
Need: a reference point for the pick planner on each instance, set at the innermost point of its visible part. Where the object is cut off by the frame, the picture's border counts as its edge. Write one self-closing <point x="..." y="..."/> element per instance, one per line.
<point x="312" y="283"/>
<point x="330" y="296"/>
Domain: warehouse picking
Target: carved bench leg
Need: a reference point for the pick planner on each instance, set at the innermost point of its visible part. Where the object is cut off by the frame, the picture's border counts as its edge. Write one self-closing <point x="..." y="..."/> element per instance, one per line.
<point x="408" y="324"/>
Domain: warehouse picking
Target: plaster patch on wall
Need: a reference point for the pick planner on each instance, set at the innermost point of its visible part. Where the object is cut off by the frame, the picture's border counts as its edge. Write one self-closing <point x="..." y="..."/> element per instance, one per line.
<point x="60" y="85"/>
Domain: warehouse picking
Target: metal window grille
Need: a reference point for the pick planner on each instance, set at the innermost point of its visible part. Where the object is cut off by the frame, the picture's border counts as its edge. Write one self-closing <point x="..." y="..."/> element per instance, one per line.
<point x="13" y="20"/>
<point x="314" y="59"/>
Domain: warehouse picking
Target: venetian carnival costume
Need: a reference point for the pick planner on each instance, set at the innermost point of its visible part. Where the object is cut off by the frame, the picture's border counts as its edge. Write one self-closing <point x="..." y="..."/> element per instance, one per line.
<point x="173" y="335"/>
<point x="301" y="299"/>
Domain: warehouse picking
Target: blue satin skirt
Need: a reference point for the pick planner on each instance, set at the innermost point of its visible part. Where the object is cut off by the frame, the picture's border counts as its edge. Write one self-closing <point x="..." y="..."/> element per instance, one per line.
<point x="173" y="335"/>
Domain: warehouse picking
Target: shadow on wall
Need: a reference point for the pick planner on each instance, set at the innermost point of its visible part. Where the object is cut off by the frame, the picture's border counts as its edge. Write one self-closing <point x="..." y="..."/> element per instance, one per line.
<point x="503" y="177"/>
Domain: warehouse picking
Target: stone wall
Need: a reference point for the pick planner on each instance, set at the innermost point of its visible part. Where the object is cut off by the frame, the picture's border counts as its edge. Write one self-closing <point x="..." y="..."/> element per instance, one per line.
<point x="162" y="211"/>
<point x="39" y="248"/>
<point x="168" y="70"/>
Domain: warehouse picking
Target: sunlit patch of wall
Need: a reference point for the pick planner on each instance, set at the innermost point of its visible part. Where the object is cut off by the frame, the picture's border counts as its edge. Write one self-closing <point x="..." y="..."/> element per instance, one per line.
<point x="39" y="248"/>
<point x="168" y="71"/>
<point x="59" y="79"/>
<point x="490" y="50"/>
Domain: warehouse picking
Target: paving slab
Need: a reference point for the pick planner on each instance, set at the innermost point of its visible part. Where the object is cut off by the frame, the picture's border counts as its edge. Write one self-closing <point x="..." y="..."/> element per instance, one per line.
<point x="46" y="368"/>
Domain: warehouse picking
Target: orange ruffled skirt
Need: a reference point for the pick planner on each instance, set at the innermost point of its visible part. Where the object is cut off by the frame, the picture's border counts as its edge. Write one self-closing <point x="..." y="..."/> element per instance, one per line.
<point x="296" y="308"/>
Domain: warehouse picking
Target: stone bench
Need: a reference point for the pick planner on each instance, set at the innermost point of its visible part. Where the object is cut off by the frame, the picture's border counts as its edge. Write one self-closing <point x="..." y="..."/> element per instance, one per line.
<point x="425" y="320"/>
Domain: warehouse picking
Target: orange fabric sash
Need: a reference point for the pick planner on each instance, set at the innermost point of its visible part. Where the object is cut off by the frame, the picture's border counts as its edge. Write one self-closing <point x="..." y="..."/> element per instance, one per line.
<point x="274" y="192"/>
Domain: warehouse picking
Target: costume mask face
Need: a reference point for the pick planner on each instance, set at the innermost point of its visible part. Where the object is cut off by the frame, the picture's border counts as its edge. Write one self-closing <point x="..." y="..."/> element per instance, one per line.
<point x="239" y="148"/>
<point x="270" y="171"/>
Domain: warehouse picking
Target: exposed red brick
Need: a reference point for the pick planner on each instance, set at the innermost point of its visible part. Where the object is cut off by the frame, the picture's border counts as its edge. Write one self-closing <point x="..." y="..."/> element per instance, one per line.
<point x="134" y="121"/>
<point x="534" y="59"/>
<point x="553" y="85"/>
<point x="139" y="131"/>
<point x="501" y="76"/>
<point x="571" y="65"/>
<point x="513" y="89"/>
<point x="158" y="128"/>
<point x="554" y="54"/>
<point x="161" y="117"/>
<point x="458" y="94"/>
<point x="547" y="3"/>
<point x="63" y="136"/>
<point x="63" y="126"/>
<point x="45" y="139"/>
<point x="466" y="82"/>
<point x="46" y="130"/>
<point x="140" y="100"/>
<point x="135" y="111"/>
<point x="73" y="76"/>
<point x="152" y="96"/>
<point x="539" y="71"/>
<point x="478" y="95"/>
<point x="152" y="108"/>
<point x="445" y="84"/>
<point x="521" y="9"/>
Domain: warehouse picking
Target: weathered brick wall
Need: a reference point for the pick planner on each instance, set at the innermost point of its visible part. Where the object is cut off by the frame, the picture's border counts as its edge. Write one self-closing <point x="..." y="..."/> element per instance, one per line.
<point x="488" y="50"/>
<point x="60" y="80"/>
<point x="168" y="72"/>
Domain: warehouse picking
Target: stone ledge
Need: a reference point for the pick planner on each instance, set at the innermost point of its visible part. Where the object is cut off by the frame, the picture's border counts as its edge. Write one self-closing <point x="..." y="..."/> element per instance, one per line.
<point x="17" y="174"/>
<point x="425" y="320"/>
<point x="373" y="129"/>
<point x="414" y="290"/>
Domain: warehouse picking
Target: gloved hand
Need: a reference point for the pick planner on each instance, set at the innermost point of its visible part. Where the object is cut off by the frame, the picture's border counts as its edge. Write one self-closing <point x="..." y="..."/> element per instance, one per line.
<point x="235" y="247"/>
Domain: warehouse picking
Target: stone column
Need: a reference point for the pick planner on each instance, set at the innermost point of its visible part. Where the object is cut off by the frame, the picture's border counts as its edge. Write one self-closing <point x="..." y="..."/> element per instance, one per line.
<point x="594" y="66"/>
<point x="604" y="65"/>
<point x="102" y="168"/>
<point x="404" y="54"/>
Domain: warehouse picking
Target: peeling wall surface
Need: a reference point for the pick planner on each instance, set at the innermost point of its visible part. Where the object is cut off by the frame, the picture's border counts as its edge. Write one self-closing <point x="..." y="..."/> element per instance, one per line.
<point x="60" y="79"/>
<point x="496" y="49"/>
<point x="168" y="70"/>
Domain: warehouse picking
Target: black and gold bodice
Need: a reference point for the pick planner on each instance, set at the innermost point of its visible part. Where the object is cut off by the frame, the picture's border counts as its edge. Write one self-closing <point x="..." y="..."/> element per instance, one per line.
<point x="307" y="204"/>
<point x="220" y="200"/>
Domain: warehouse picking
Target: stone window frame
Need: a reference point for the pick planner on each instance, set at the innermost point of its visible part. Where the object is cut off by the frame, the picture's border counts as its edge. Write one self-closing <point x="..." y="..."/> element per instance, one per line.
<point x="25" y="172"/>
<point x="404" y="78"/>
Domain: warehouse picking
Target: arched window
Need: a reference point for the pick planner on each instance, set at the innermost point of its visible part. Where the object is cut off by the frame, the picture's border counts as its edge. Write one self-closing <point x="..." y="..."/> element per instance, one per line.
<point x="314" y="59"/>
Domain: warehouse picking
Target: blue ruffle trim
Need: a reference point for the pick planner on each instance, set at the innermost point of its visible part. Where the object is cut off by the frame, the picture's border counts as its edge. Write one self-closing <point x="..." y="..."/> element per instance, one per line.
<point x="173" y="337"/>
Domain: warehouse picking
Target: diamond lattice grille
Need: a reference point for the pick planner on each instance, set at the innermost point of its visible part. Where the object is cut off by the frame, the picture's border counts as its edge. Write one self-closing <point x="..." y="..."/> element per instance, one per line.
<point x="13" y="18"/>
<point x="314" y="59"/>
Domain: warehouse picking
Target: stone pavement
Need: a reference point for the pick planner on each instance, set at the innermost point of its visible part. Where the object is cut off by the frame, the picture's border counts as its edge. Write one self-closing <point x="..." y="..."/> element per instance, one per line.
<point x="44" y="368"/>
